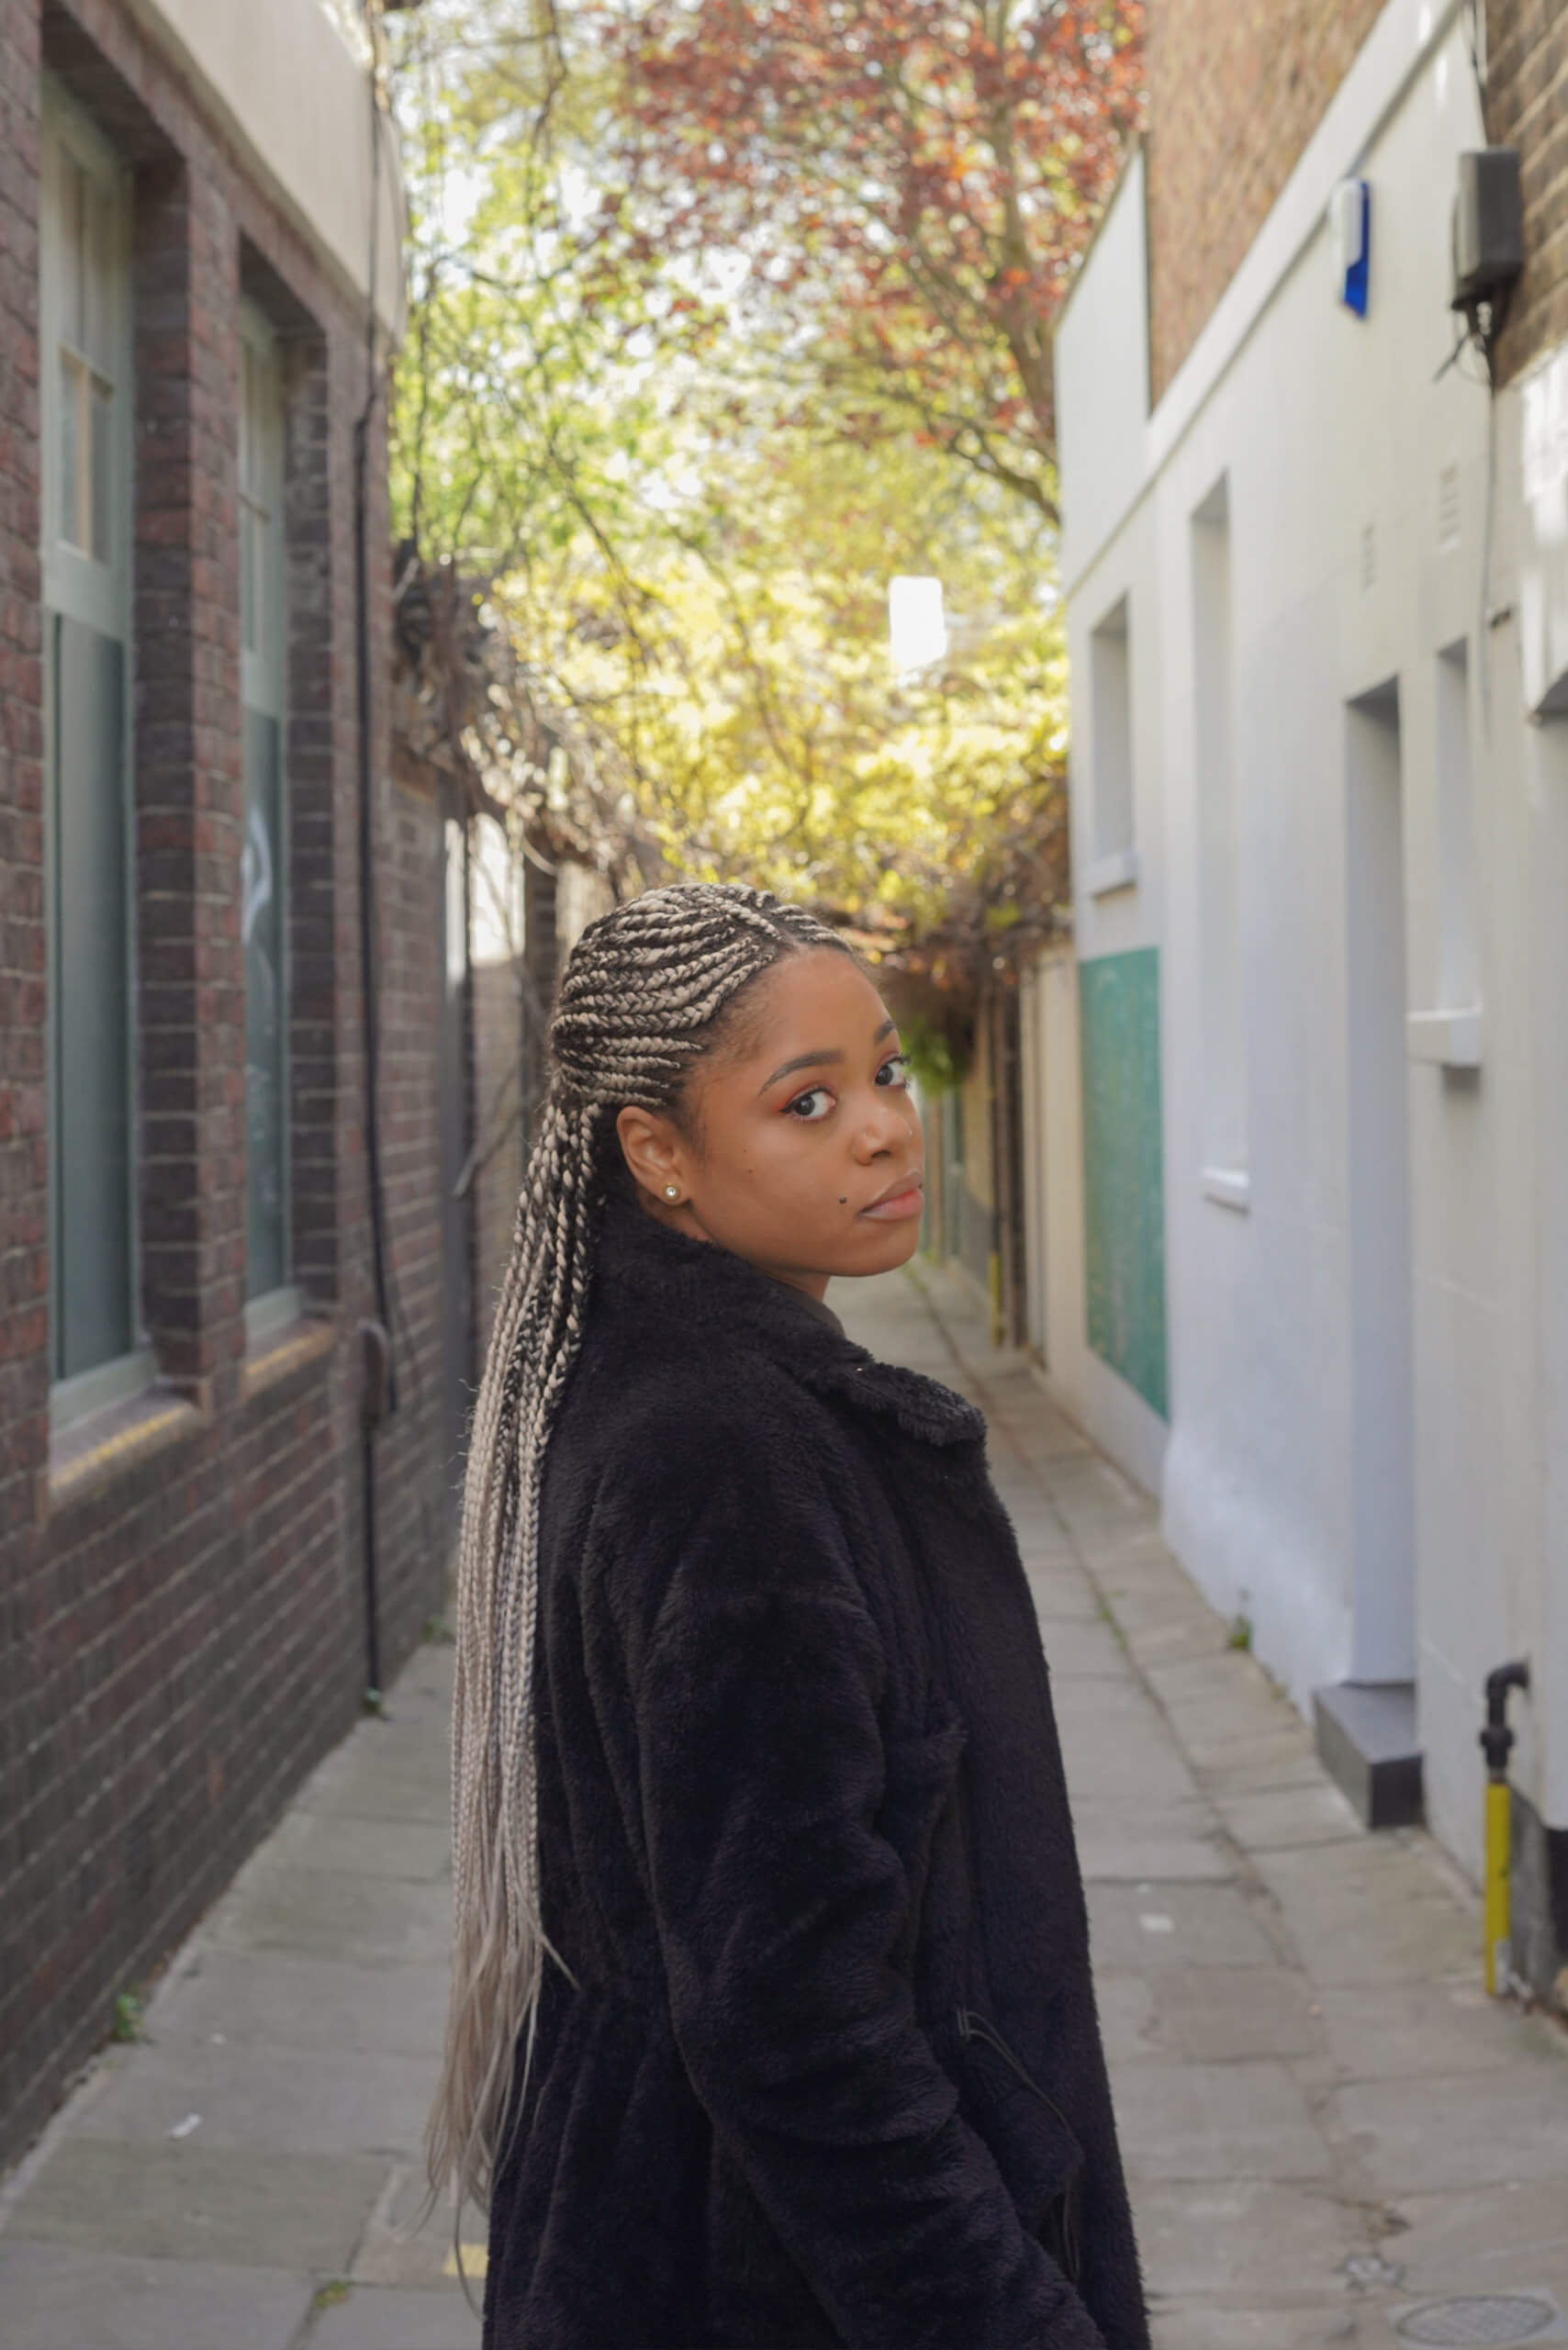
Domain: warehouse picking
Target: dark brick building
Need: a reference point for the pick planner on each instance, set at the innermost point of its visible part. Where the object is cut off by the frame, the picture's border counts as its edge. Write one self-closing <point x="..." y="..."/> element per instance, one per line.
<point x="200" y="1207"/>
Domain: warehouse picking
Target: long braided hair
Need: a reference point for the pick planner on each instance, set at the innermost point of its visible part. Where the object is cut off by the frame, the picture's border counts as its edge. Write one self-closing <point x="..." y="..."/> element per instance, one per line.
<point x="644" y="997"/>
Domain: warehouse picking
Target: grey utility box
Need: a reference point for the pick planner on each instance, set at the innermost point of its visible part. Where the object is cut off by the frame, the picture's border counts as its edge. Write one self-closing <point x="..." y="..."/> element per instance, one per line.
<point x="1488" y="226"/>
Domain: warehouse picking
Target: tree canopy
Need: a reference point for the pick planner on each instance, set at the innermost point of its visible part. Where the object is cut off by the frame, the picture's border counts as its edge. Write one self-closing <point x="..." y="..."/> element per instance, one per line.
<point x="673" y="422"/>
<point x="911" y="185"/>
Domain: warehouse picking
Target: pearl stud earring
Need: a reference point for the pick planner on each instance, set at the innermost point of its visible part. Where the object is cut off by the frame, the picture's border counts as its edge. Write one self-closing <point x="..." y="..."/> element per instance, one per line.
<point x="672" y="1191"/>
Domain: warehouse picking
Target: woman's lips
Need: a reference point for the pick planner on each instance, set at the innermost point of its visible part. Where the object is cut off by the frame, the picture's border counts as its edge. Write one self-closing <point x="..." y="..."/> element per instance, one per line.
<point x="900" y="1204"/>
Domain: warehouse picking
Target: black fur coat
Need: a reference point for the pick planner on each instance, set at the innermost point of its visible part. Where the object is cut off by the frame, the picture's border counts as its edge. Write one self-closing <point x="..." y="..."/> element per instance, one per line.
<point x="831" y="2071"/>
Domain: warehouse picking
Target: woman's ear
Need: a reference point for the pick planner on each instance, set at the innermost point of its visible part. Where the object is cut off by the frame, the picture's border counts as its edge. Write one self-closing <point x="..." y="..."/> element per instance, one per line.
<point x="655" y="1155"/>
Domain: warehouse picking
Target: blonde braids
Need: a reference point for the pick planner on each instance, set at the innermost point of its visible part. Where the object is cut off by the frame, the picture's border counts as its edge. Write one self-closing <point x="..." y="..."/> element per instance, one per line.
<point x="639" y="1002"/>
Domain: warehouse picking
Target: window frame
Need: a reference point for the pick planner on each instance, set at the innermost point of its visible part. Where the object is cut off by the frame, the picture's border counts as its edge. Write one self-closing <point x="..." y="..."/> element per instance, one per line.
<point x="263" y="688"/>
<point x="75" y="585"/>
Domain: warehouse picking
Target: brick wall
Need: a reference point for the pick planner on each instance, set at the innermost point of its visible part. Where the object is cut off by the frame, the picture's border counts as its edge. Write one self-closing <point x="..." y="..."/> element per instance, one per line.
<point x="1527" y="106"/>
<point x="1234" y="93"/>
<point x="181" y="1626"/>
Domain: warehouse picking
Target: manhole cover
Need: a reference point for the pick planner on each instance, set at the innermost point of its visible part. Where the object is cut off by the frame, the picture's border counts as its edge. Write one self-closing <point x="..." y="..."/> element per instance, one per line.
<point x="1498" y="2318"/>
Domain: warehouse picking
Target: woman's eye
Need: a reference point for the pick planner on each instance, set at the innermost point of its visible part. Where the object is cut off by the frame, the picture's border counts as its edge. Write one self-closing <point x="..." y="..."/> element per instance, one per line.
<point x="895" y="1070"/>
<point x="802" y="1105"/>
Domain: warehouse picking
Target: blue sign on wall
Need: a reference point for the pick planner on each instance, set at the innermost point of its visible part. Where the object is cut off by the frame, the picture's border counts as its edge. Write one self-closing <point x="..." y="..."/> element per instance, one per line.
<point x="1124" y="1175"/>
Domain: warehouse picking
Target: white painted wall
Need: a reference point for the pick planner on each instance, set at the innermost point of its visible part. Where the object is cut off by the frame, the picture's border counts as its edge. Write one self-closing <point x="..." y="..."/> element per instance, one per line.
<point x="280" y="79"/>
<point x="1102" y="376"/>
<point x="1281" y="1481"/>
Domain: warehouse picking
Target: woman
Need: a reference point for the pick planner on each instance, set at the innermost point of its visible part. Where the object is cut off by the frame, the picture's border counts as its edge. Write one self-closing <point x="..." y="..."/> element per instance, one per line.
<point x="772" y="2024"/>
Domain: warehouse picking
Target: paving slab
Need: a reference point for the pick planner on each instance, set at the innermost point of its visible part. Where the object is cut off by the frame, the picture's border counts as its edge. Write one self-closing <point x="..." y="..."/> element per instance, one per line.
<point x="378" y="1782"/>
<point x="1377" y="2031"/>
<point x="278" y="1998"/>
<point x="372" y="2318"/>
<point x="1262" y="1758"/>
<point x="320" y="1913"/>
<point x="252" y="2093"/>
<point x="183" y="2203"/>
<point x="1329" y="2325"/>
<point x="1372" y="1911"/>
<point x="418" y="1849"/>
<point x="1132" y="1852"/>
<point x="1460" y="2130"/>
<point x="1247" y="2236"/>
<point x="1278" y="1819"/>
<point x="60" y="2296"/>
<point x="1116" y="1744"/>
<point x="1061" y="1596"/>
<point x="1226" y="2121"/>
<point x="1480" y="2239"/>
<point x="1157" y="1924"/>
<point x="1082" y="1650"/>
<point x="1213" y="2015"/>
<point x="404" y="2245"/>
<point x="1127" y="2019"/>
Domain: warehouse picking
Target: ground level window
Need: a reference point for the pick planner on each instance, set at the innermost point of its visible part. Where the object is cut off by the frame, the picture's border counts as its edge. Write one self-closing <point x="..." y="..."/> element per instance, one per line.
<point x="85" y="381"/>
<point x="264" y="857"/>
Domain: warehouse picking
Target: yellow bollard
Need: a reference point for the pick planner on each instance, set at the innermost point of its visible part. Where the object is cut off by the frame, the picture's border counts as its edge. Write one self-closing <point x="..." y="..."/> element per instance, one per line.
<point x="1496" y="1740"/>
<point x="1499" y="1801"/>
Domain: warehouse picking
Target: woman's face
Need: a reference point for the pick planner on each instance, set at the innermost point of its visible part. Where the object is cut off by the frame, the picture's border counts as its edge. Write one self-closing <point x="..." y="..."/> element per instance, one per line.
<point x="802" y="1151"/>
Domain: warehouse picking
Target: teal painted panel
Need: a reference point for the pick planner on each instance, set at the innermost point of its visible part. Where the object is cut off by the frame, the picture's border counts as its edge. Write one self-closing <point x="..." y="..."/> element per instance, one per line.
<point x="1124" y="1174"/>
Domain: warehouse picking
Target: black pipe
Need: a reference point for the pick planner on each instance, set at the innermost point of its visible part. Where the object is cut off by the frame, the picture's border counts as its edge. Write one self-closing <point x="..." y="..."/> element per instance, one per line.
<point x="378" y="1384"/>
<point x="1497" y="1738"/>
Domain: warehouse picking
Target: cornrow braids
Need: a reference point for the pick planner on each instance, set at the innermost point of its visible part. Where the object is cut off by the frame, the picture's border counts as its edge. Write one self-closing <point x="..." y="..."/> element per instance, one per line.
<point x="642" y="998"/>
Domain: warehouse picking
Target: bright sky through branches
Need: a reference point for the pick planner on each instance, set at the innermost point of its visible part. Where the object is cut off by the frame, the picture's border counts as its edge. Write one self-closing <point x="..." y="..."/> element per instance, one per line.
<point x="917" y="625"/>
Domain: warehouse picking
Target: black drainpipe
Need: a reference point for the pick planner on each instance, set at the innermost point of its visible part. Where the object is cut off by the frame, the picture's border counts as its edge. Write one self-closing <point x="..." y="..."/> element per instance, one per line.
<point x="378" y="1378"/>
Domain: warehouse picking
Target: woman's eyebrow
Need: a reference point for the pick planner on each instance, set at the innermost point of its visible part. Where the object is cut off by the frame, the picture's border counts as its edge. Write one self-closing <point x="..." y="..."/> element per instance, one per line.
<point x="801" y="1060"/>
<point x="829" y="1053"/>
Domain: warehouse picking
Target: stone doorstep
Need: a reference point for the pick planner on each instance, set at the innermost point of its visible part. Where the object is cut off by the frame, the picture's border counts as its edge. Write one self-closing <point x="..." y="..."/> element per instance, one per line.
<point x="1367" y="1742"/>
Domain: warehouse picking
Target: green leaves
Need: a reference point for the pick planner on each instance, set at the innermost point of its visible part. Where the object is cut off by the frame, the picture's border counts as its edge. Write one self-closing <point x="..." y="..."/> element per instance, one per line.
<point x="720" y="320"/>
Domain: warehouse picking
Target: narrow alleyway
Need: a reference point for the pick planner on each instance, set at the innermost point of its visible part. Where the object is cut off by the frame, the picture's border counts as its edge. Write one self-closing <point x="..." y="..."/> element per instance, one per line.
<point x="1325" y="2121"/>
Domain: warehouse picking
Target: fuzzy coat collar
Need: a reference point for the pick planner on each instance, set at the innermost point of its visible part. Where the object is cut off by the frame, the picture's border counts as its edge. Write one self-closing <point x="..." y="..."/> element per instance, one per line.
<point x="649" y="1275"/>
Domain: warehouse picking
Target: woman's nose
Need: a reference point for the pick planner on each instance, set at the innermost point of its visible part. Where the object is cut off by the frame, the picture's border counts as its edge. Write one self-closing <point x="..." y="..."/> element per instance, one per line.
<point x="890" y="1125"/>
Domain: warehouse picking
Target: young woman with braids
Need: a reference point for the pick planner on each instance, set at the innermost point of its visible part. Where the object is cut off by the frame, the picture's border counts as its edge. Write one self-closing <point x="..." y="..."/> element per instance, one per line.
<point x="771" y="2019"/>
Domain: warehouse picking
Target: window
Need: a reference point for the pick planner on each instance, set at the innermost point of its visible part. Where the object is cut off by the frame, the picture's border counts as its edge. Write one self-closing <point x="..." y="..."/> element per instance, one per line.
<point x="1459" y="976"/>
<point x="1219" y="853"/>
<point x="1450" y="1034"/>
<point x="263" y="667"/>
<point x="1115" y="862"/>
<point x="85" y="377"/>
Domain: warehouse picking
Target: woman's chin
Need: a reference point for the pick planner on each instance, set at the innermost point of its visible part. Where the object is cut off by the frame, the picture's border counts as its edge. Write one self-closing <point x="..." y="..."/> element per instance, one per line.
<point x="882" y="1247"/>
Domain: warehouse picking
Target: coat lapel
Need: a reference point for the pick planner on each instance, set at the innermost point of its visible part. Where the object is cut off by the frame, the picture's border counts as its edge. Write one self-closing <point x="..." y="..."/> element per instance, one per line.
<point x="647" y="1270"/>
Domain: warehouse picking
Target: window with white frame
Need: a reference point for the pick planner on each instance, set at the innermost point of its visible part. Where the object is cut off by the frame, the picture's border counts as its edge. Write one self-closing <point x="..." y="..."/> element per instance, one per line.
<point x="84" y="404"/>
<point x="264" y="666"/>
<point x="1219" y="839"/>
<point x="1114" y="861"/>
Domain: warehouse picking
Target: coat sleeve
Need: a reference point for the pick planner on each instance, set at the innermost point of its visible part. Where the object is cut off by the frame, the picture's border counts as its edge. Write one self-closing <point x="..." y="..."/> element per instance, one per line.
<point x="755" y="1670"/>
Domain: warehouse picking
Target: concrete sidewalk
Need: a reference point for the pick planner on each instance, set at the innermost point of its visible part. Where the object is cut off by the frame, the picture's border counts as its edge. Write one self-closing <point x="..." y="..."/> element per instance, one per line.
<point x="240" y="2178"/>
<point x="1328" y="2127"/>
<point x="1327" y="2123"/>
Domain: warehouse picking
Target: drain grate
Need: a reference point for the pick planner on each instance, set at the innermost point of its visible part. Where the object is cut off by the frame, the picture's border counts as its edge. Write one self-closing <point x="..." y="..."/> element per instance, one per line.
<point x="1499" y="2318"/>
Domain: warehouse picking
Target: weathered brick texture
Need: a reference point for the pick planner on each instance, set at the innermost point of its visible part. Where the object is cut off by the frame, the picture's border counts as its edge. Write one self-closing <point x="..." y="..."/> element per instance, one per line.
<point x="1527" y="106"/>
<point x="1235" y="89"/>
<point x="180" y="1638"/>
